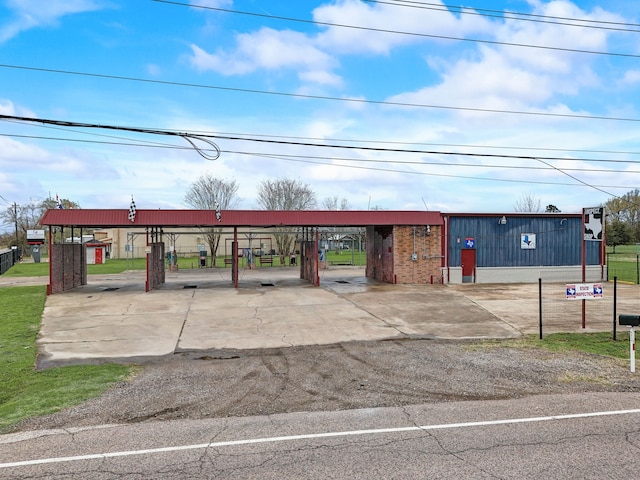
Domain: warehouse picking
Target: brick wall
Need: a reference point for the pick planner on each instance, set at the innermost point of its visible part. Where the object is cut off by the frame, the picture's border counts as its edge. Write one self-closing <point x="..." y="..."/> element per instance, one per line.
<point x="68" y="267"/>
<point x="308" y="262"/>
<point x="427" y="247"/>
<point x="380" y="248"/>
<point x="155" y="266"/>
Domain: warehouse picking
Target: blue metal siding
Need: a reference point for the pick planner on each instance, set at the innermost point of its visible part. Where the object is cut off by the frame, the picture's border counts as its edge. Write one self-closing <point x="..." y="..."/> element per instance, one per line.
<point x="558" y="241"/>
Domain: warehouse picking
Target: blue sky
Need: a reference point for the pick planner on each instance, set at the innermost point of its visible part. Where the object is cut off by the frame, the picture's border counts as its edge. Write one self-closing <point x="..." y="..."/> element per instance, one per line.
<point x="420" y="102"/>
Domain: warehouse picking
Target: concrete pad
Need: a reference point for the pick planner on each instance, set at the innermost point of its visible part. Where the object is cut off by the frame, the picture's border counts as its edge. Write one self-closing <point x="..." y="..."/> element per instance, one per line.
<point x="114" y="318"/>
<point x="277" y="317"/>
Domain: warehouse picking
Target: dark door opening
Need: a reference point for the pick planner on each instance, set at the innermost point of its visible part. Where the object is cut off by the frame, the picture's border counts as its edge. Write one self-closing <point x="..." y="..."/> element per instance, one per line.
<point x="468" y="264"/>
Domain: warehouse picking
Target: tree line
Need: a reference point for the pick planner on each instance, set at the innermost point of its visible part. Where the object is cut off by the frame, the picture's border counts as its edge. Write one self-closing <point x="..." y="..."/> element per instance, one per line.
<point x="623" y="219"/>
<point x="206" y="193"/>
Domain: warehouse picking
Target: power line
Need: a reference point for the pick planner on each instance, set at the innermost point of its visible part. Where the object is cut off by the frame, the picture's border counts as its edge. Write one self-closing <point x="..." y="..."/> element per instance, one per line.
<point x="455" y="145"/>
<point x="189" y="137"/>
<point x="464" y="177"/>
<point x="339" y="141"/>
<point x="380" y="149"/>
<point x="147" y="144"/>
<point x="206" y="138"/>
<point x="397" y="32"/>
<point x="319" y="97"/>
<point x="512" y="15"/>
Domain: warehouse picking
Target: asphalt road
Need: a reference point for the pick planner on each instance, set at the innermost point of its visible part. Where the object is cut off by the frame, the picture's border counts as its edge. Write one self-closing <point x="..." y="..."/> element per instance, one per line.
<point x="557" y="436"/>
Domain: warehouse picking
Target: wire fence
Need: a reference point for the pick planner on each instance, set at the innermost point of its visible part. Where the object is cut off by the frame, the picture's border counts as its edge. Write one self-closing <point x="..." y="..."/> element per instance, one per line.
<point x="584" y="306"/>
<point x="560" y="311"/>
<point x="625" y="266"/>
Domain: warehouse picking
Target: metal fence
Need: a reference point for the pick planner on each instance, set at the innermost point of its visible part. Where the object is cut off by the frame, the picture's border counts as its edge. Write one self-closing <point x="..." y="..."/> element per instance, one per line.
<point x="625" y="266"/>
<point x="8" y="258"/>
<point x="577" y="306"/>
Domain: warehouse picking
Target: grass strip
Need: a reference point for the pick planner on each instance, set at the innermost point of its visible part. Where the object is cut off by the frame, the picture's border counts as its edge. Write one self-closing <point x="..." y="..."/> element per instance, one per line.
<point x="598" y="343"/>
<point x="26" y="392"/>
<point x="119" y="265"/>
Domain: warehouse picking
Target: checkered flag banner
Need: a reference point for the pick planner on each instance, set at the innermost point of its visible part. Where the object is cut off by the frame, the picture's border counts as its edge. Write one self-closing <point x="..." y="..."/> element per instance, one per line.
<point x="132" y="210"/>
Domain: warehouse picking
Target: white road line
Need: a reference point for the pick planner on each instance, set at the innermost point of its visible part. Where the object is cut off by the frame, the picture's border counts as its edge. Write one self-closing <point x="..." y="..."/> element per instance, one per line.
<point x="375" y="431"/>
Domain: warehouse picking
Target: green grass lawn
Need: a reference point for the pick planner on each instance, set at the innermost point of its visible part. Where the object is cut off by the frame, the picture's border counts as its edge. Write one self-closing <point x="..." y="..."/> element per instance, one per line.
<point x="26" y="392"/>
<point x="597" y="343"/>
<point x="624" y="264"/>
<point x="120" y="265"/>
<point x="600" y="343"/>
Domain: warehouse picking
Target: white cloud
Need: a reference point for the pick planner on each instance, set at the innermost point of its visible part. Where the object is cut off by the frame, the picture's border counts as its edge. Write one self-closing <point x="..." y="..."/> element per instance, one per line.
<point x="267" y="49"/>
<point x="315" y="56"/>
<point x="321" y="77"/>
<point x="511" y="78"/>
<point x="488" y="83"/>
<point x="631" y="77"/>
<point x="557" y="34"/>
<point x="385" y="18"/>
<point x="30" y="14"/>
<point x="154" y="70"/>
<point x="7" y="107"/>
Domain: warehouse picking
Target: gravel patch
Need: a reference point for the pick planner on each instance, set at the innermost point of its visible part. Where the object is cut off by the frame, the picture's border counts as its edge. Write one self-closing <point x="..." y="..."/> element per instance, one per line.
<point x="196" y="385"/>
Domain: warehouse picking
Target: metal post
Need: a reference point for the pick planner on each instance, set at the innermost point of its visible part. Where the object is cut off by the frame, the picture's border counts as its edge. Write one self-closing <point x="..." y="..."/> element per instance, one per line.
<point x="51" y="260"/>
<point x="540" y="304"/>
<point x="316" y="262"/>
<point x="147" y="256"/>
<point x="234" y="258"/>
<point x="615" y="304"/>
<point x="584" y="272"/>
<point x="632" y="348"/>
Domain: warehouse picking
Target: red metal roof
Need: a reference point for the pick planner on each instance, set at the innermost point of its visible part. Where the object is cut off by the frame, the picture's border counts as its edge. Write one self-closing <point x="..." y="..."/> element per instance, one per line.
<point x="94" y="218"/>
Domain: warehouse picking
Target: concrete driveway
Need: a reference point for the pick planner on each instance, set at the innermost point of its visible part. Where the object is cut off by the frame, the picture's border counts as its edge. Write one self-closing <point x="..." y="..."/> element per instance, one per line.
<point x="113" y="318"/>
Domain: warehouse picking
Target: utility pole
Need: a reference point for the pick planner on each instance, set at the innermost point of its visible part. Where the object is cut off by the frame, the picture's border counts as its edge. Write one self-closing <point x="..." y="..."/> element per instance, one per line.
<point x="15" y="217"/>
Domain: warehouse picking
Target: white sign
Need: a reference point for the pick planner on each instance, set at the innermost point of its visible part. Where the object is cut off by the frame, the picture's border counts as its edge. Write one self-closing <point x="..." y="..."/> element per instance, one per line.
<point x="593" y="223"/>
<point x="584" y="291"/>
<point x="35" y="233"/>
<point x="528" y="241"/>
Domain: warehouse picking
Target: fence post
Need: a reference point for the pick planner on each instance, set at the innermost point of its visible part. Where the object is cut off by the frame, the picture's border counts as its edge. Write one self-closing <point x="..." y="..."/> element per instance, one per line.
<point x="540" y="304"/>
<point x="615" y="304"/>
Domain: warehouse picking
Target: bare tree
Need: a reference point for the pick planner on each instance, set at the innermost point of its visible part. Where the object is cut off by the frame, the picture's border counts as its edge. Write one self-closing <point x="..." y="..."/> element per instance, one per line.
<point x="528" y="203"/>
<point x="210" y="193"/>
<point x="335" y="235"/>
<point x="334" y="203"/>
<point x="285" y="194"/>
<point x="27" y="216"/>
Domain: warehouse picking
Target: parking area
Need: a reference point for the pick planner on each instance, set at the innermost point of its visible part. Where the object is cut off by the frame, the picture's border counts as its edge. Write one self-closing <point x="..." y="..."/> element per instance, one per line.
<point x="112" y="318"/>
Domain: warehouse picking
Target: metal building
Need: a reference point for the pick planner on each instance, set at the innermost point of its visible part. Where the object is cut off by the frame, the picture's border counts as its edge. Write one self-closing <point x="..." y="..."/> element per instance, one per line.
<point x="519" y="247"/>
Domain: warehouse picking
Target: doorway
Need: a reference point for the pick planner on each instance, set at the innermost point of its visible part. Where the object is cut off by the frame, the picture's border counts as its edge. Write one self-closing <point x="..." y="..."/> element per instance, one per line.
<point x="468" y="264"/>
